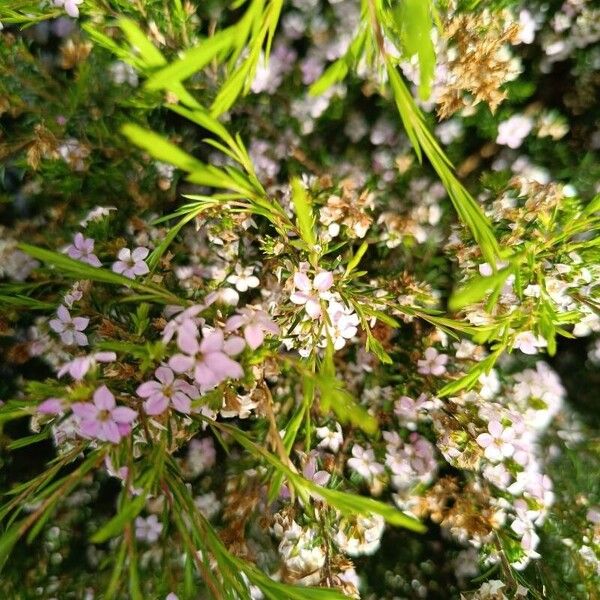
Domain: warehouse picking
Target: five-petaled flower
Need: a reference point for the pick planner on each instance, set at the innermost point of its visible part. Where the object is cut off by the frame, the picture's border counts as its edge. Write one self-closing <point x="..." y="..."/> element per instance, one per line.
<point x="210" y="359"/>
<point x="497" y="442"/>
<point x="102" y="419"/>
<point x="78" y="367"/>
<point x="131" y="264"/>
<point x="255" y="324"/>
<point x="309" y="293"/>
<point x="70" y="328"/>
<point x="364" y="463"/>
<point x="433" y="363"/>
<point x="83" y="249"/>
<point x="167" y="390"/>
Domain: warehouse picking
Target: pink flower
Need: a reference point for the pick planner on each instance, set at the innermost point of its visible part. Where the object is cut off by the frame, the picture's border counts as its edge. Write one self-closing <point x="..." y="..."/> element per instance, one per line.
<point x="167" y="390"/>
<point x="212" y="363"/>
<point x="255" y="324"/>
<point x="78" y="367"/>
<point x="83" y="250"/>
<point x="51" y="406"/>
<point x="131" y="264"/>
<point x="310" y="292"/>
<point x="528" y="343"/>
<point x="498" y="442"/>
<point x="433" y="363"/>
<point x="70" y="329"/>
<point x="102" y="419"/>
<point x="185" y="326"/>
<point x="149" y="529"/>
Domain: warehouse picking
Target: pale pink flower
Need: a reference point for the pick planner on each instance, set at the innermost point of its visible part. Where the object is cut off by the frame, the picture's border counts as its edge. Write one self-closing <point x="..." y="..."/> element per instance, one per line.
<point x="167" y="390"/>
<point x="70" y="329"/>
<point x="212" y="363"/>
<point x="102" y="419"/>
<point x="83" y="249"/>
<point x="433" y="363"/>
<point x="148" y="529"/>
<point x="201" y="456"/>
<point x="70" y="6"/>
<point x="498" y="442"/>
<point x="78" y="367"/>
<point x="255" y="324"/>
<point x="309" y="293"/>
<point x="309" y="471"/>
<point x="185" y="326"/>
<point x="131" y="264"/>
<point x="51" y="406"/>
<point x="364" y="463"/>
<point x="529" y="343"/>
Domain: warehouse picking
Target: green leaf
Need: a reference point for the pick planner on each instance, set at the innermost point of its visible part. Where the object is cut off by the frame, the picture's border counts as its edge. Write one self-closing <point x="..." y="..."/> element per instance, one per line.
<point x="305" y="218"/>
<point x="8" y="539"/>
<point x="334" y="73"/>
<point x="347" y="503"/>
<point x="80" y="270"/>
<point x="138" y="39"/>
<point x="477" y="288"/>
<point x="422" y="140"/>
<point x="355" y="260"/>
<point x="192" y="60"/>
<point x="160" y="148"/>
<point x="116" y="525"/>
<point x="20" y="301"/>
<point x="414" y="20"/>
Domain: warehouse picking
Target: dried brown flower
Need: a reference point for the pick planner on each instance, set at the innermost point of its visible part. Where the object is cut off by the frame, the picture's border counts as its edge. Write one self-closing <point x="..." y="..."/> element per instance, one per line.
<point x="44" y="145"/>
<point x="478" y="60"/>
<point x="73" y="53"/>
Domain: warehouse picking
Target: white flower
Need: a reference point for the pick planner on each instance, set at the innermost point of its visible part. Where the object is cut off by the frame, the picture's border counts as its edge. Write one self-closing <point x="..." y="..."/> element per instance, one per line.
<point x="527" y="27"/>
<point x="513" y="131"/>
<point x="497" y="442"/>
<point x="490" y="384"/>
<point x="528" y="343"/>
<point x="364" y="463"/>
<point x="359" y="535"/>
<point x="330" y="439"/>
<point x="243" y="279"/>
<point x="70" y="6"/>
<point x="342" y="326"/>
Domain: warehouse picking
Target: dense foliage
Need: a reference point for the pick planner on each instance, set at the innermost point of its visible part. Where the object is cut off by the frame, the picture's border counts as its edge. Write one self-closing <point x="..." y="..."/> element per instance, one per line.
<point x="299" y="299"/>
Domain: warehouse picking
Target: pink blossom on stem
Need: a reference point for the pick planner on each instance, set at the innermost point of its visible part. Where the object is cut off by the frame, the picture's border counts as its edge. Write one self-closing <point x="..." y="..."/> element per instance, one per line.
<point x="102" y="419"/>
<point x="70" y="329"/>
<point x="309" y="293"/>
<point x="51" y="406"/>
<point x="184" y="325"/>
<point x="255" y="324"/>
<point x="83" y="249"/>
<point x="212" y="364"/>
<point x="78" y="367"/>
<point x="131" y="264"/>
<point x="434" y="363"/>
<point x="166" y="390"/>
